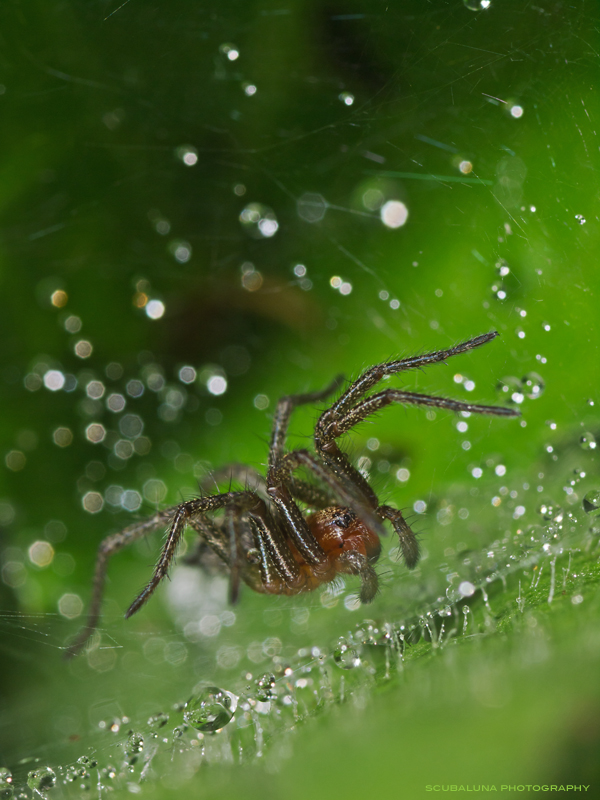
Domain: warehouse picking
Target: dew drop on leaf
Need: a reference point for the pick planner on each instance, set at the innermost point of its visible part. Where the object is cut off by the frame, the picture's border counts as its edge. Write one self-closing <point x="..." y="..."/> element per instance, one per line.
<point x="591" y="503"/>
<point x="6" y="784"/>
<point x="587" y="441"/>
<point x="533" y="385"/>
<point x="345" y="656"/>
<point x="40" y="780"/>
<point x="264" y="686"/>
<point x="210" y="709"/>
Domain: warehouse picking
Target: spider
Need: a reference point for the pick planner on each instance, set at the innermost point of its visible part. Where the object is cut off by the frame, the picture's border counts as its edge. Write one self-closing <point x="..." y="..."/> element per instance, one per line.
<point x="262" y="536"/>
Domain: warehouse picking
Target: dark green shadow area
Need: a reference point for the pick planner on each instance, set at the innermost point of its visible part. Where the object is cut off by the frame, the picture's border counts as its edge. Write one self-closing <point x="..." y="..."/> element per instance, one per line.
<point x="207" y="206"/>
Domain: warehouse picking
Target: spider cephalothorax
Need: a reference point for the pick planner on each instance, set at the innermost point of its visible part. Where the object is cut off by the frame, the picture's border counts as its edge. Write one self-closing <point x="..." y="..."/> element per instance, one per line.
<point x="262" y="535"/>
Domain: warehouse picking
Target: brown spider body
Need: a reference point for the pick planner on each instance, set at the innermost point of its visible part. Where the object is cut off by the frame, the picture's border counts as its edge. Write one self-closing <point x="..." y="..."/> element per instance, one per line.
<point x="342" y="536"/>
<point x="339" y="530"/>
<point x="287" y="535"/>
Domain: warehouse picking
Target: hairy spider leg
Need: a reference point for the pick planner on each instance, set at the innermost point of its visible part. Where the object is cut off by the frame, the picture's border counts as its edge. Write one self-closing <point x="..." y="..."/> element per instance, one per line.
<point x="349" y="410"/>
<point x="190" y="509"/>
<point x="278" y="488"/>
<point x="248" y="477"/>
<point x="358" y="565"/>
<point x="233" y="528"/>
<point x="332" y="454"/>
<point x="283" y="413"/>
<point x="252" y="480"/>
<point x="325" y="428"/>
<point x="375" y="402"/>
<point x="408" y="541"/>
<point x="211" y="537"/>
<point x="309" y="493"/>
<point x="108" y="547"/>
<point x="277" y="562"/>
<point x="374" y="374"/>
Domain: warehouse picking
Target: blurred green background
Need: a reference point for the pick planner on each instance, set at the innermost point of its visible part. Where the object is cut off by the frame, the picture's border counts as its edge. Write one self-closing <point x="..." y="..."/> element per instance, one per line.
<point x="206" y="206"/>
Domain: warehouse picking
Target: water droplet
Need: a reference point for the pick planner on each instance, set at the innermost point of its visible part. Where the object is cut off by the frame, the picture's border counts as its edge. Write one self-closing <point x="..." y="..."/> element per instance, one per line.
<point x="580" y="219"/>
<point x="533" y="385"/>
<point x="229" y="50"/>
<point x="366" y="632"/>
<point x="502" y="268"/>
<point x="158" y="720"/>
<point x="346" y="657"/>
<point x="187" y="154"/>
<point x="545" y="509"/>
<point x="210" y="708"/>
<point x="259" y="221"/>
<point x="135" y="744"/>
<point x="588" y="441"/>
<point x="72" y="773"/>
<point x="477" y="5"/>
<point x="6" y="785"/>
<point x="40" y="780"/>
<point x="549" y="511"/>
<point x="180" y="250"/>
<point x="591" y="503"/>
<point x="513" y="387"/>
<point x="499" y="292"/>
<point x="264" y="687"/>
<point x="466" y="589"/>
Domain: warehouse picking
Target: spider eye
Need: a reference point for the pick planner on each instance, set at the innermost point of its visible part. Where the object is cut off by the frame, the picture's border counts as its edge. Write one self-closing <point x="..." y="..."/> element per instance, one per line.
<point x="345" y="520"/>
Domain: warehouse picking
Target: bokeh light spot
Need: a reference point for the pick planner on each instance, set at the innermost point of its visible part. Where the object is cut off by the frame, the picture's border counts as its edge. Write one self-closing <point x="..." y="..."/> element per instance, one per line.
<point x="63" y="437"/>
<point x="217" y="385"/>
<point x="83" y="348"/>
<point x="95" y="432"/>
<point x="115" y="402"/>
<point x="93" y="502"/>
<point x="95" y="390"/>
<point x="187" y="374"/>
<point x="394" y="214"/>
<point x="70" y="606"/>
<point x="41" y="553"/>
<point x="15" y="460"/>
<point x="155" y="490"/>
<point x="54" y="380"/>
<point x="72" y="324"/>
<point x="187" y="154"/>
<point x="59" y="298"/>
<point x="155" y="309"/>
<point x="311" y="207"/>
